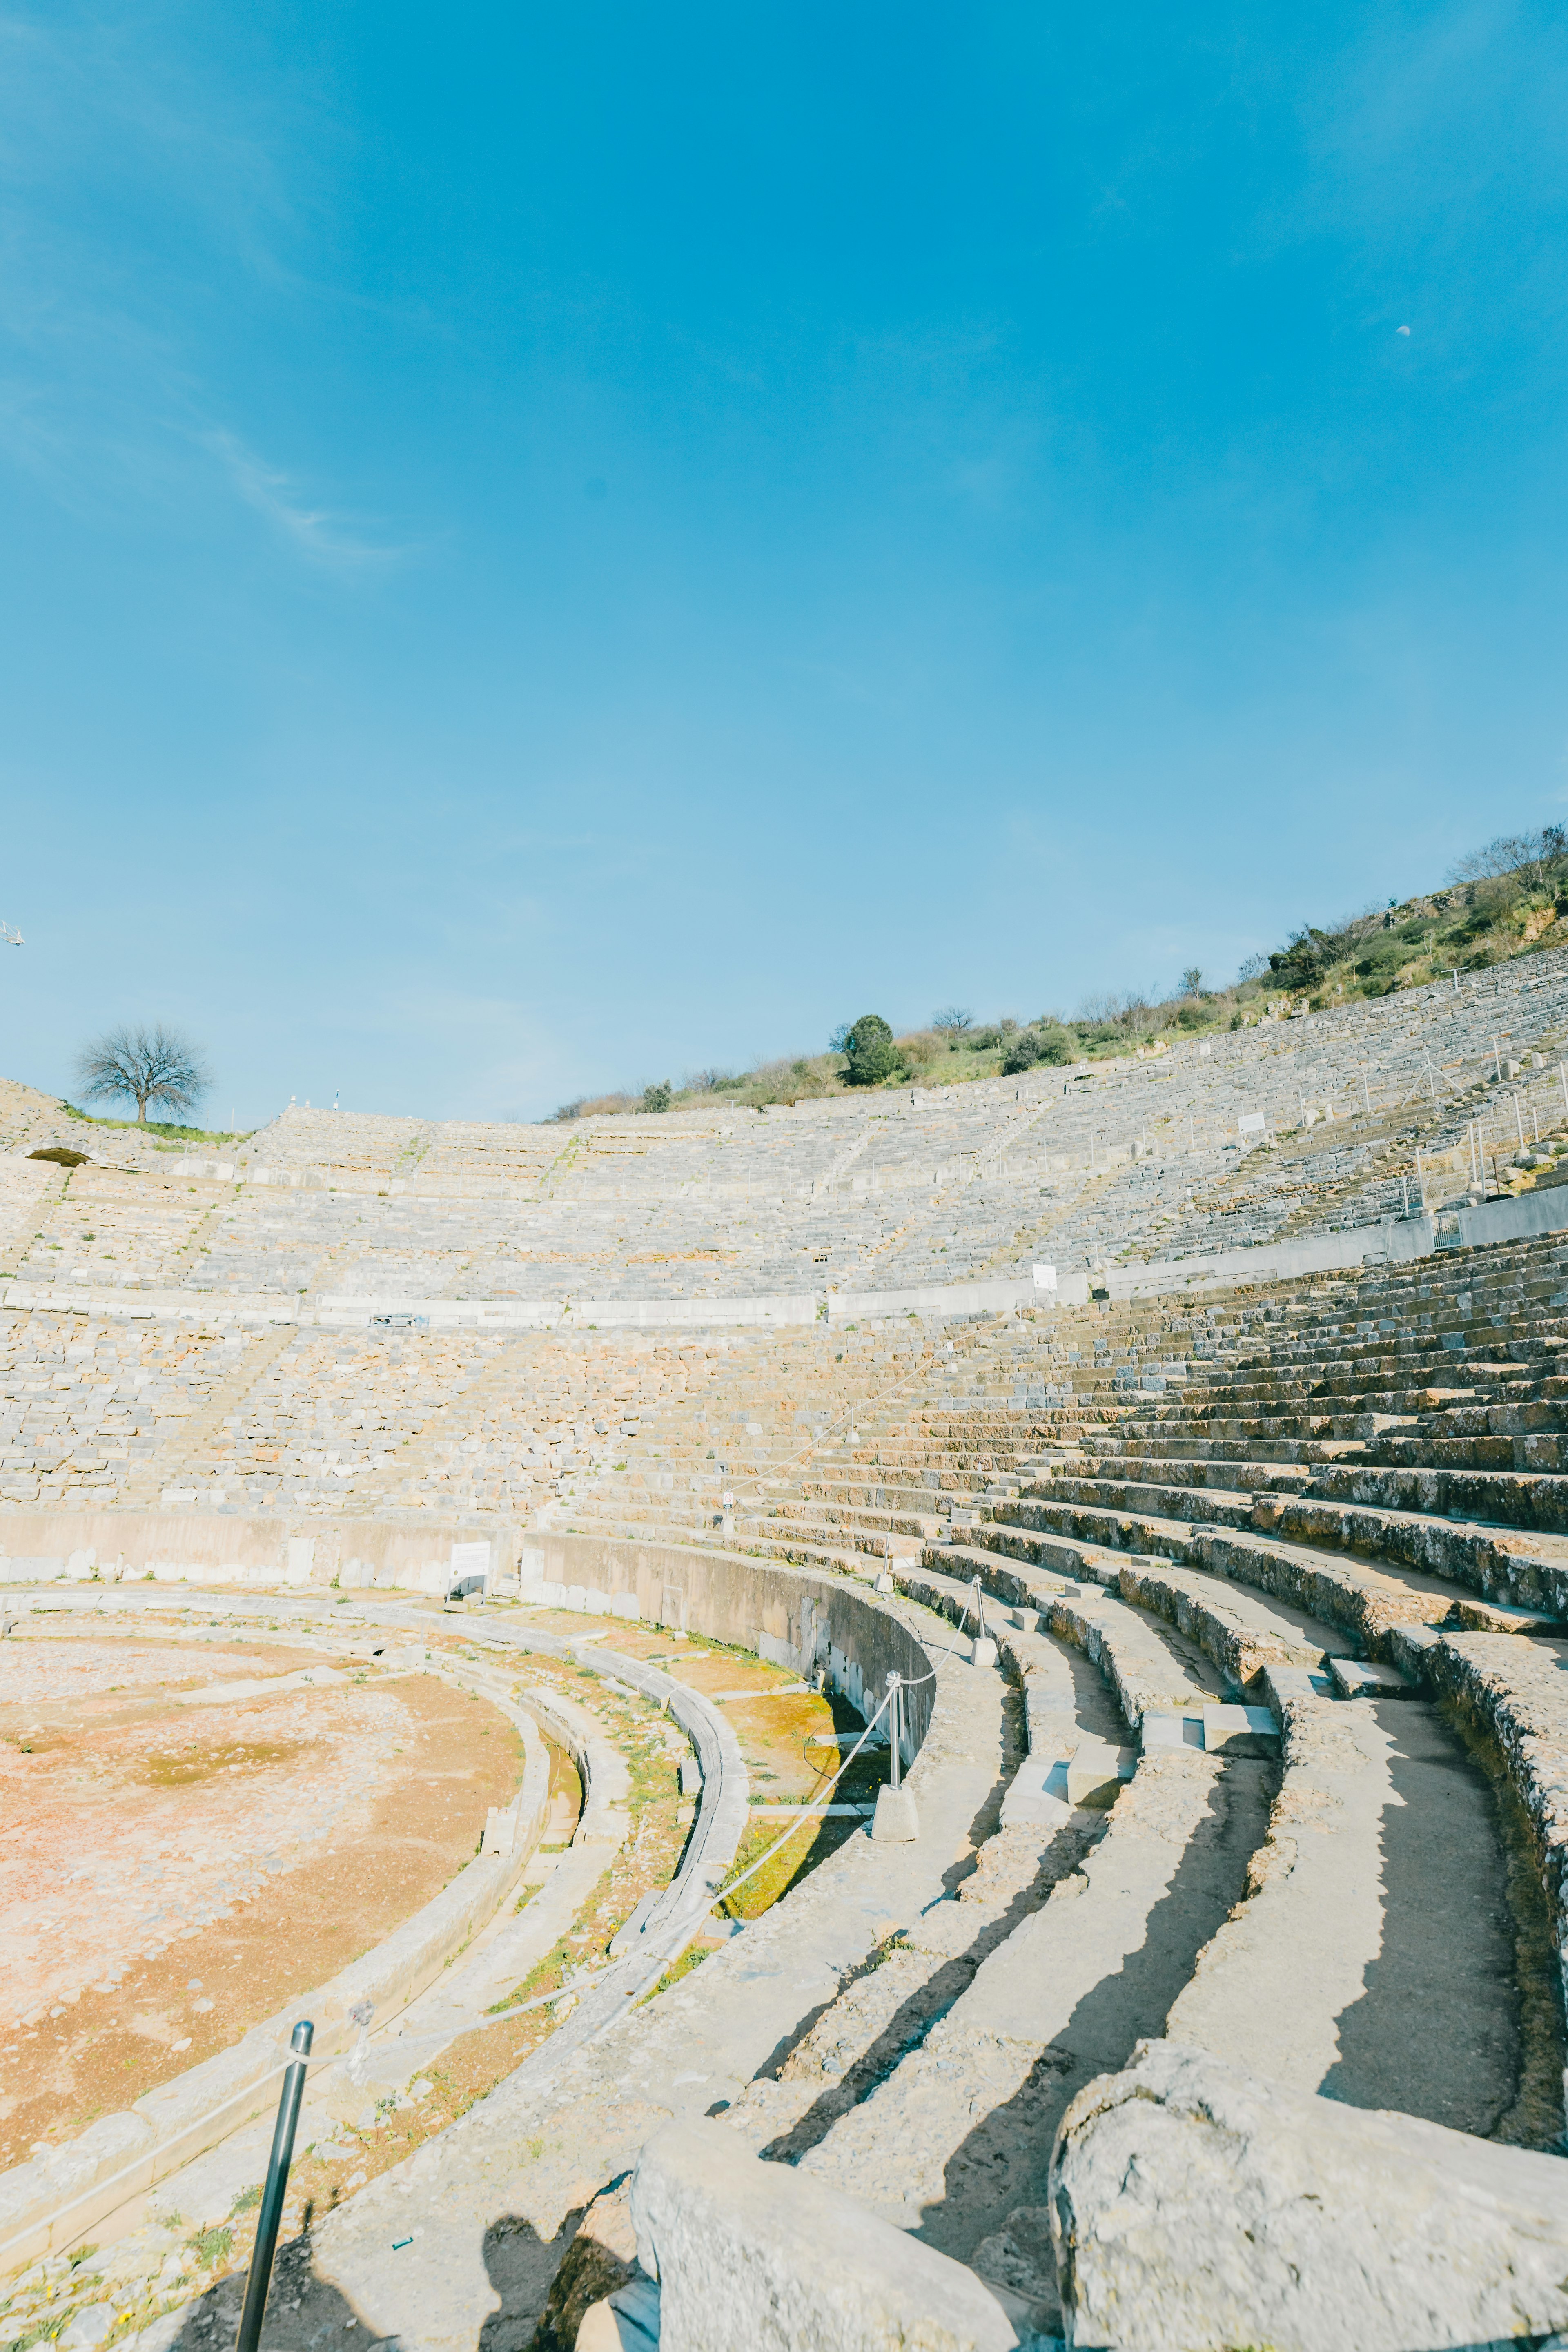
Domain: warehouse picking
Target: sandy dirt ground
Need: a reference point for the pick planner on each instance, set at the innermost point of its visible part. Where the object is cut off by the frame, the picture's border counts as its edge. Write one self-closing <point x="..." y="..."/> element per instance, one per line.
<point x="187" y="1839"/>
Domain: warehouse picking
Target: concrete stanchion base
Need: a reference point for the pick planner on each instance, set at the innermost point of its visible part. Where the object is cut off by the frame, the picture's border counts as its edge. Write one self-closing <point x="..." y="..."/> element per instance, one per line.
<point x="897" y="1821"/>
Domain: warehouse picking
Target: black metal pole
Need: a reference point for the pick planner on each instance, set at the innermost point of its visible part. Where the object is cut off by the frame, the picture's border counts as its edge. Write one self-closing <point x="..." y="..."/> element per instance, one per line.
<point x="270" y="2215"/>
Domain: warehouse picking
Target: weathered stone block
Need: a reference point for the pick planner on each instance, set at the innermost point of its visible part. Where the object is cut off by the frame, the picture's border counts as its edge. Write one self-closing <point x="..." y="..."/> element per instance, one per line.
<point x="1194" y="2204"/>
<point x="761" y="2256"/>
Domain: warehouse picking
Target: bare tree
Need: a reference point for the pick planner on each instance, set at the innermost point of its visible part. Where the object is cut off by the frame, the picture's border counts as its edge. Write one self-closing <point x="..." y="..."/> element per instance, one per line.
<point x="144" y="1065"/>
<point x="1192" y="980"/>
<point x="1525" y="857"/>
<point x="955" y="1018"/>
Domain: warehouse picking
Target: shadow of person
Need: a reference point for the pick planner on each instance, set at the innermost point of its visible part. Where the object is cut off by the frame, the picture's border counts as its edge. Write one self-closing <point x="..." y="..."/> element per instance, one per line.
<point x="528" y="2272"/>
<point x="305" y="2313"/>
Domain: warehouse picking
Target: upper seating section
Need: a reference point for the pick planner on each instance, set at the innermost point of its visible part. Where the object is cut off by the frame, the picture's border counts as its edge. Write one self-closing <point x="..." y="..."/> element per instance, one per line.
<point x="1138" y="1160"/>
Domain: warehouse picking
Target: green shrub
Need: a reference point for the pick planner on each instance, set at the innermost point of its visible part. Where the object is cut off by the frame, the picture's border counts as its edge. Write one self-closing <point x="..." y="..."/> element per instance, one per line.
<point x="657" y="1098"/>
<point x="1058" y="1045"/>
<point x="1021" y="1051"/>
<point x="871" y="1052"/>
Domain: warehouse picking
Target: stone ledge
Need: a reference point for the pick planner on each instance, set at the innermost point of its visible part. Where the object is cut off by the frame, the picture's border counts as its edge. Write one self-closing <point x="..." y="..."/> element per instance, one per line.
<point x="759" y="2254"/>
<point x="1194" y="2204"/>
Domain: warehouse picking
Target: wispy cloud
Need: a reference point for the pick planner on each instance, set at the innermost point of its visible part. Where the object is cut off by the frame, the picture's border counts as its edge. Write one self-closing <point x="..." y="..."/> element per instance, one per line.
<point x="149" y="205"/>
<point x="322" y="537"/>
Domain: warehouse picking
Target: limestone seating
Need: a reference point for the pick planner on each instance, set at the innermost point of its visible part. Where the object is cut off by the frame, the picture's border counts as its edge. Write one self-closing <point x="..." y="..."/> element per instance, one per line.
<point x="546" y="2138"/>
<point x="730" y="1202"/>
<point x="983" y="2087"/>
<point x="1207" y="1505"/>
<point x="952" y="2139"/>
<point x="861" y="2049"/>
<point x="1296" y="1603"/>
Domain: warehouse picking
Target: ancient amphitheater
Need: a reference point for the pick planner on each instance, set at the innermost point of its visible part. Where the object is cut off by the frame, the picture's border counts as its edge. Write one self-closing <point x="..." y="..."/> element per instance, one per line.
<point x="529" y="1521"/>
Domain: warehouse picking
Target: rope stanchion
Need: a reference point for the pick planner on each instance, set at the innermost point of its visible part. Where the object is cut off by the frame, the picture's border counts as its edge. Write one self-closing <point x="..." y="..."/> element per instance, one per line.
<point x="752" y="1871"/>
<point x="897" y="1821"/>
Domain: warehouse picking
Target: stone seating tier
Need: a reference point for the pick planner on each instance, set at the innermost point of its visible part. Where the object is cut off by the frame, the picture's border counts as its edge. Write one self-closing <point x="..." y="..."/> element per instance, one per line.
<point x="1113" y="1162"/>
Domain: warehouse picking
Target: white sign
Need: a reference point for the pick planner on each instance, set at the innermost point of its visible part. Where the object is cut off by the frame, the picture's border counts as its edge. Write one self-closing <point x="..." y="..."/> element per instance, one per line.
<point x="1044" y="1277"/>
<point x="1251" y="1123"/>
<point x="469" y="1561"/>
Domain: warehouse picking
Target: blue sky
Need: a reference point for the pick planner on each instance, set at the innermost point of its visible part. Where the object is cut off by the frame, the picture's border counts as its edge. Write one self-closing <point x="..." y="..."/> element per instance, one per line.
<point x="549" y="548"/>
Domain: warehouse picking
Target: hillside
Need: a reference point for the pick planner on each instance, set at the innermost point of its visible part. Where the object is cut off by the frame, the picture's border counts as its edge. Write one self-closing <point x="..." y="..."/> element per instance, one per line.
<point x="1507" y="900"/>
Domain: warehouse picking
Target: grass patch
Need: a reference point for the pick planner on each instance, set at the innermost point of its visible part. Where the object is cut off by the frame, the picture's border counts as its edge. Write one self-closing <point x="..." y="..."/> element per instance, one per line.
<point x="691" y="1958"/>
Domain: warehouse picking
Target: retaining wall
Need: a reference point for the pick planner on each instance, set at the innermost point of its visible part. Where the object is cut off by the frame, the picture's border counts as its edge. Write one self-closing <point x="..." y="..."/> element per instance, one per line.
<point x="231" y="1547"/>
<point x="793" y="1617"/>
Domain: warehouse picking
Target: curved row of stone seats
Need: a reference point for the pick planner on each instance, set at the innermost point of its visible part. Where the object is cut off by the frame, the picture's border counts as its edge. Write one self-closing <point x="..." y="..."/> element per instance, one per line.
<point x="107" y="1411"/>
<point x="580" y="2120"/>
<point x="1478" y="1332"/>
<point x="954" y="2142"/>
<point x="490" y="2210"/>
<point x="895" y="1481"/>
<point x="1142" y="1160"/>
<point x="924" y="2090"/>
<point x="1167" y="1639"/>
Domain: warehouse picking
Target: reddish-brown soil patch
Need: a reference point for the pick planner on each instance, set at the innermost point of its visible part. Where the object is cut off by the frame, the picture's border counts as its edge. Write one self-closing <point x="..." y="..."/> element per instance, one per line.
<point x="172" y="1874"/>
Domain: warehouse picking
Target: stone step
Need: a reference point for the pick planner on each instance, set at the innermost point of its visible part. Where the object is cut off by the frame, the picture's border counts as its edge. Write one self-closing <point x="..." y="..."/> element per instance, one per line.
<point x="952" y="2141"/>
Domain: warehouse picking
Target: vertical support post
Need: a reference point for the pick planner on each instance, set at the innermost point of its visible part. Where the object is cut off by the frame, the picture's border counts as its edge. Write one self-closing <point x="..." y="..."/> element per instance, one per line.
<point x="895" y="1729"/>
<point x="1496" y="1057"/>
<point x="1519" y="1121"/>
<point x="1421" y="1179"/>
<point x="1367" y="1092"/>
<point x="1563" y="1077"/>
<point x="270" y="2213"/>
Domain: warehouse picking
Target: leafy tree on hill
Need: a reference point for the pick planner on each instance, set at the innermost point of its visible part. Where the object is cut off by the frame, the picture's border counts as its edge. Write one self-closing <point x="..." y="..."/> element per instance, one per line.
<point x="1046" y="1041"/>
<point x="657" y="1098"/>
<point x="872" y="1054"/>
<point x="143" y="1066"/>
